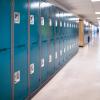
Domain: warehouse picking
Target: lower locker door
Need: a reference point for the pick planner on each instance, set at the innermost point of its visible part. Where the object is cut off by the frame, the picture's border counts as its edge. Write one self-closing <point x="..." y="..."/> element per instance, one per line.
<point x="21" y="73"/>
<point x="5" y="76"/>
<point x="53" y="55"/>
<point x="61" y="52"/>
<point x="68" y="49"/>
<point x="64" y="50"/>
<point x="51" y="59"/>
<point x="57" y="55"/>
<point x="44" y="62"/>
<point x="34" y="67"/>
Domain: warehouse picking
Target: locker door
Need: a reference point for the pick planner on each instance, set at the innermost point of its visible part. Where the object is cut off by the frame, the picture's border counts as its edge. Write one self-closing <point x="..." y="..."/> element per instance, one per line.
<point x="44" y="40"/>
<point x="34" y="46"/>
<point x="68" y="36"/>
<point x="5" y="50"/>
<point x="65" y="41"/>
<point x="61" y="32"/>
<point x="70" y="40"/>
<point x="20" y="49"/>
<point x="51" y="49"/>
<point x="57" y="41"/>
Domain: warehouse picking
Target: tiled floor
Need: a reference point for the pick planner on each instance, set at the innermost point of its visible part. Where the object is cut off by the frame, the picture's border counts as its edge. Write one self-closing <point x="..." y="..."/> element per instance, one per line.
<point x="78" y="80"/>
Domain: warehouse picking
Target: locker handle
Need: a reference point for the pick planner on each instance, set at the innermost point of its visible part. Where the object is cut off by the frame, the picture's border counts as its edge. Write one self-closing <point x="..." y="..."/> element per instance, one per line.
<point x="3" y="49"/>
<point x="20" y="46"/>
<point x="51" y="39"/>
<point x="44" y="41"/>
<point x="34" y="43"/>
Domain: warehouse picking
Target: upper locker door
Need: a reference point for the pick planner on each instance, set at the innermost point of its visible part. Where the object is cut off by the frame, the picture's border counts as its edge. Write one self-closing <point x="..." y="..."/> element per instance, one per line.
<point x="34" y="45"/>
<point x="5" y="50"/>
<point x="44" y="12"/>
<point x="20" y="49"/>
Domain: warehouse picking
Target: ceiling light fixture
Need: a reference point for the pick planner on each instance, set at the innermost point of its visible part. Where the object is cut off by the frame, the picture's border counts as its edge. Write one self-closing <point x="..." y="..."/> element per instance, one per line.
<point x="97" y="12"/>
<point x="98" y="18"/>
<point x="95" y="0"/>
<point x="64" y="14"/>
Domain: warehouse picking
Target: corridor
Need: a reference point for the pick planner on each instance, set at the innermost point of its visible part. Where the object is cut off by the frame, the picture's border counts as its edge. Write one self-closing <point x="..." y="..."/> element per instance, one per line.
<point x="79" y="79"/>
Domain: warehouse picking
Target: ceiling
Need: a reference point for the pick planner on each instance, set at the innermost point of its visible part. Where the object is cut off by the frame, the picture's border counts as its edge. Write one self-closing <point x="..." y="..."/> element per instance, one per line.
<point x="83" y="8"/>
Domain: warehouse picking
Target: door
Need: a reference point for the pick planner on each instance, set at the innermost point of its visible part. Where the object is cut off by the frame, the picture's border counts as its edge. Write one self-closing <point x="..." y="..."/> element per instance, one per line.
<point x="5" y="50"/>
<point x="20" y="49"/>
<point x="34" y="46"/>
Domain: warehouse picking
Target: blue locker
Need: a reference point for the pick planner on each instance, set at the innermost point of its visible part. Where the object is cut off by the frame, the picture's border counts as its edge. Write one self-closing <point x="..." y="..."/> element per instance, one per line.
<point x="57" y="39"/>
<point x="66" y="34"/>
<point x="5" y="50"/>
<point x="20" y="49"/>
<point x="68" y="39"/>
<point x="61" y="34"/>
<point x="65" y="40"/>
<point x="44" y="13"/>
<point x="34" y="46"/>
<point x="51" y="49"/>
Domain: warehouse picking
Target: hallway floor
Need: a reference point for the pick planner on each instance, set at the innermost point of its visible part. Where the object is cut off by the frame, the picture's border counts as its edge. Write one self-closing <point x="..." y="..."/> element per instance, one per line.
<point x="78" y="80"/>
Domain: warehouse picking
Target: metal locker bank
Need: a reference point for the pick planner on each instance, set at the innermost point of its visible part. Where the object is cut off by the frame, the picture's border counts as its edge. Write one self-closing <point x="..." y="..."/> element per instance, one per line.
<point x="36" y="40"/>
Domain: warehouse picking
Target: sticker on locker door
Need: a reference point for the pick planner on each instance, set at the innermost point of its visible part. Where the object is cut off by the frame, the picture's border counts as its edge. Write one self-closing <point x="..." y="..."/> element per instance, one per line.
<point x="64" y="24"/>
<point x="70" y="46"/>
<point x="56" y="23"/>
<point x="42" y="21"/>
<point x="50" y="22"/>
<point x="17" y="17"/>
<point x="50" y="58"/>
<point x="31" y="69"/>
<point x="64" y="50"/>
<point x="70" y="25"/>
<point x="32" y="19"/>
<point x="60" y="23"/>
<point x="16" y="77"/>
<point x="42" y="62"/>
<point x="56" y="55"/>
<point x="60" y="52"/>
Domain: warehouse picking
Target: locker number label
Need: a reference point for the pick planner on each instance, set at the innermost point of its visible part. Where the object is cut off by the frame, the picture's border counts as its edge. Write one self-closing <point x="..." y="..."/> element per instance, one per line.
<point x="17" y="17"/>
<point x="56" y="55"/>
<point x="56" y="23"/>
<point x="32" y="19"/>
<point x="60" y="23"/>
<point x="16" y="77"/>
<point x="64" y="24"/>
<point x="42" y="62"/>
<point x="64" y="50"/>
<point x="50" y="58"/>
<point x="50" y="22"/>
<point x="31" y="69"/>
<point x="60" y="52"/>
<point x="42" y="21"/>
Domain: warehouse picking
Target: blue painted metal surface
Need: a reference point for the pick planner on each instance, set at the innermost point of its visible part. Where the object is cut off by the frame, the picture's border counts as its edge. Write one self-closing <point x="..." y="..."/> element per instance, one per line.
<point x="20" y="50"/>
<point x="34" y="46"/>
<point x="53" y="42"/>
<point x="5" y="50"/>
